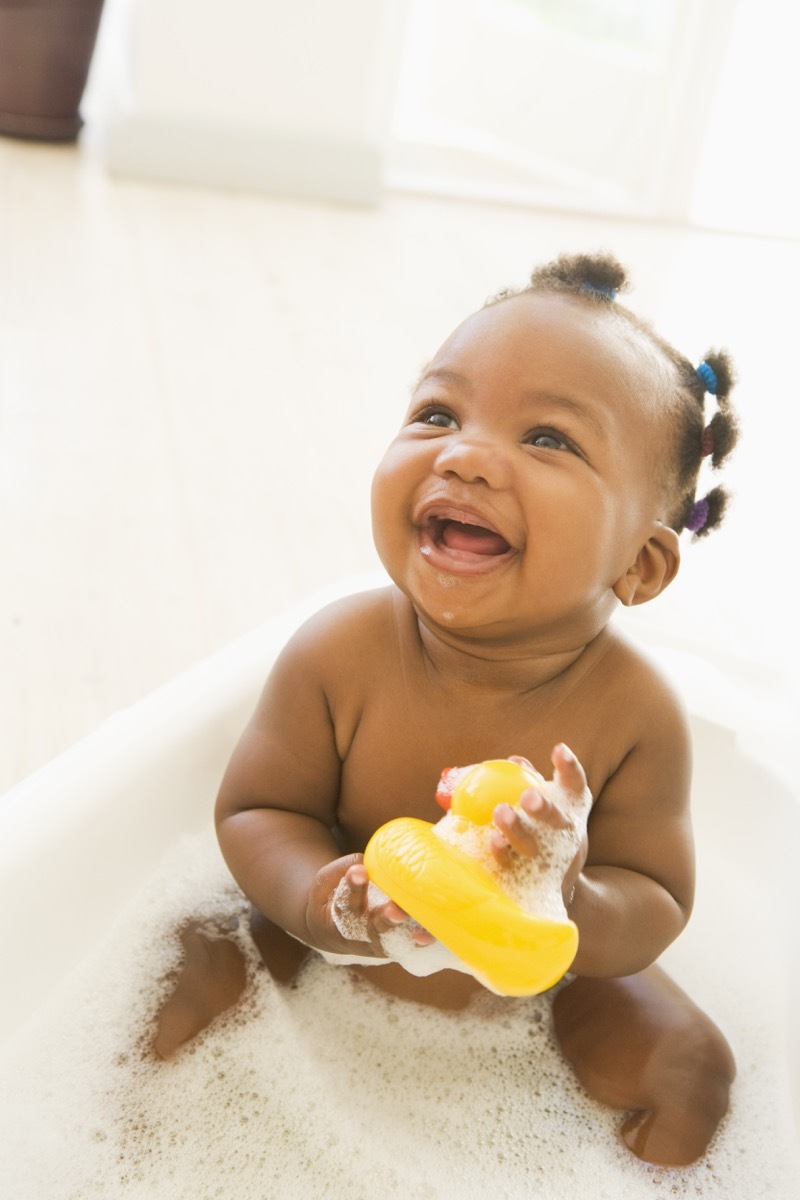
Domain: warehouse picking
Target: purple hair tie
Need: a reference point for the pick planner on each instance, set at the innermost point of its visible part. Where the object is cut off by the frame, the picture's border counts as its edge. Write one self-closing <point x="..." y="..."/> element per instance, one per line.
<point x="698" y="516"/>
<point x="708" y="378"/>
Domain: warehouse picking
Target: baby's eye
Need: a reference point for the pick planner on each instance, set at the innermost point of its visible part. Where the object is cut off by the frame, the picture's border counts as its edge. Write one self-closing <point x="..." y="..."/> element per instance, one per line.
<point x="438" y="418"/>
<point x="549" y="439"/>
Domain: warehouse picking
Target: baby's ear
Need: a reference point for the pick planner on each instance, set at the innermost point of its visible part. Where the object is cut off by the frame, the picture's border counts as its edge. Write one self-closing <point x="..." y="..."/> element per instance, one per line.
<point x="653" y="569"/>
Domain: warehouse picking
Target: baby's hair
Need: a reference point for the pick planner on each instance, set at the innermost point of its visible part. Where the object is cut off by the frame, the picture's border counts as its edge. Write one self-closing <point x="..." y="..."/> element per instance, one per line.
<point x="597" y="279"/>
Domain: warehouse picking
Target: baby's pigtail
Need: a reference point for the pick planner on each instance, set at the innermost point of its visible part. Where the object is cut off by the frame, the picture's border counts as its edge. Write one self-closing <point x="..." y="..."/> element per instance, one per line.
<point x="717" y="440"/>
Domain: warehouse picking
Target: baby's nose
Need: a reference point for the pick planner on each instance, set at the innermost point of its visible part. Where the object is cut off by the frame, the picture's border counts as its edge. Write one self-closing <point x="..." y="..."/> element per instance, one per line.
<point x="475" y="459"/>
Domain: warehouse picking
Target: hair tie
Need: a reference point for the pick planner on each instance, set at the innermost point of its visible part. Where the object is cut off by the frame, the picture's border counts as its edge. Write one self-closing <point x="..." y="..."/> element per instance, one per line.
<point x="599" y="289"/>
<point x="707" y="442"/>
<point x="698" y="516"/>
<point x="707" y="377"/>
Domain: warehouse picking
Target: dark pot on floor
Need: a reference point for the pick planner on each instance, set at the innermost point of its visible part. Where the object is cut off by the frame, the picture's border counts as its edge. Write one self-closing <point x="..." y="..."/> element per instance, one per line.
<point x="46" y="49"/>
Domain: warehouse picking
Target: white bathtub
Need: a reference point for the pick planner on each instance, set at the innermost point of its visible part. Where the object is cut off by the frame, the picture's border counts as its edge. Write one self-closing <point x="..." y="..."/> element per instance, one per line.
<point x="79" y="838"/>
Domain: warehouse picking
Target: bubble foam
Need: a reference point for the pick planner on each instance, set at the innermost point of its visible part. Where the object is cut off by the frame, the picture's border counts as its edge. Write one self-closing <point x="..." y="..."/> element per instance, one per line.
<point x="330" y="1088"/>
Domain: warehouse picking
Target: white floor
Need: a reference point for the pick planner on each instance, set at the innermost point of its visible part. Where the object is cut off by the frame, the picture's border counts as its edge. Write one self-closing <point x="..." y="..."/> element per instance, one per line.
<point x="195" y="387"/>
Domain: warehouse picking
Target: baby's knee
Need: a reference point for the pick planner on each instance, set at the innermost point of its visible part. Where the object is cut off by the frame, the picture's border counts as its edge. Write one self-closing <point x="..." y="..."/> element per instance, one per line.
<point x="638" y="1041"/>
<point x="282" y="954"/>
<point x="695" y="1066"/>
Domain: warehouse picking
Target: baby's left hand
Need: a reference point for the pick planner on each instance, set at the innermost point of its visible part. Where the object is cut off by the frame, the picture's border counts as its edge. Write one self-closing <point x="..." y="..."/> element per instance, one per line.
<point x="514" y="835"/>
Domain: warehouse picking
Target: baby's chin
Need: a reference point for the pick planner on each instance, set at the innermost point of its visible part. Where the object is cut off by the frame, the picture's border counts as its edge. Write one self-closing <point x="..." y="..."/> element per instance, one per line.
<point x="470" y="602"/>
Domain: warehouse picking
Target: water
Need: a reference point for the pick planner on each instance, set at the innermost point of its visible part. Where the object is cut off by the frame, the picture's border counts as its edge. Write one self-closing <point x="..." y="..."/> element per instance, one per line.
<point x="330" y="1088"/>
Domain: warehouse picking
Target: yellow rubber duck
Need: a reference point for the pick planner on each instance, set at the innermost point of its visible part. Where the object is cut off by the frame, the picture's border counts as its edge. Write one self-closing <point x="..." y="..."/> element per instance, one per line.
<point x="460" y="901"/>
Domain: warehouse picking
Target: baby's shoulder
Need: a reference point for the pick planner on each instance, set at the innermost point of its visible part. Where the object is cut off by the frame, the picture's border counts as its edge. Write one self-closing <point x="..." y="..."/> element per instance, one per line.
<point x="351" y="630"/>
<point x="638" y="682"/>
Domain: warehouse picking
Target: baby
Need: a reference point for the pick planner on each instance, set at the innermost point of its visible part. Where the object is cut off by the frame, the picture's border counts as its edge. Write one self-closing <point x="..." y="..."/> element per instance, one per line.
<point x="544" y="470"/>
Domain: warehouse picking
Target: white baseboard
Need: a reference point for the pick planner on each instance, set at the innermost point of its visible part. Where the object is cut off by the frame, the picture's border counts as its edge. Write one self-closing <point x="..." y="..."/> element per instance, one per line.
<point x="238" y="156"/>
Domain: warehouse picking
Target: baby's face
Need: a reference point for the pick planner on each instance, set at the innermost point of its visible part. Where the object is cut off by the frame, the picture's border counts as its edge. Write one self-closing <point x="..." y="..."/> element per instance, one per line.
<point x="522" y="483"/>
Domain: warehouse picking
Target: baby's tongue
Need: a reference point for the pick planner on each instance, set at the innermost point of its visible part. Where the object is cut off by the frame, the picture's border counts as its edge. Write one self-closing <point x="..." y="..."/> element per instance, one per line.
<point x="474" y="538"/>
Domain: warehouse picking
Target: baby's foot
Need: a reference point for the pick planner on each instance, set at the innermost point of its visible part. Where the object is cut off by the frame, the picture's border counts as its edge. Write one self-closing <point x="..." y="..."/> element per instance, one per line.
<point x="687" y="1097"/>
<point x="641" y="1044"/>
<point x="211" y="979"/>
<point x="675" y="1134"/>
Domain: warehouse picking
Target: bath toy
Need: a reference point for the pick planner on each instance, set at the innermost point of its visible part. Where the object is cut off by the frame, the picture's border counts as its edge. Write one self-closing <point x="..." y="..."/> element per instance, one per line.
<point x="510" y="929"/>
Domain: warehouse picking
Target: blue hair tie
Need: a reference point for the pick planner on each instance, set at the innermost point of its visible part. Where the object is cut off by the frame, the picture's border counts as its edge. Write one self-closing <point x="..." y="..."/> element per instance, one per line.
<point x="609" y="292"/>
<point x="708" y="378"/>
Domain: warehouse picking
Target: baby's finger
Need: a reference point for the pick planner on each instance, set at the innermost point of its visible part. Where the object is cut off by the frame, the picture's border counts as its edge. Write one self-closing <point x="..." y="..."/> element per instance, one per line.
<point x="517" y="832"/>
<point x="541" y="808"/>
<point x="568" y="772"/>
<point x="503" y="854"/>
<point x="357" y="881"/>
<point x="387" y="916"/>
<point x="391" y="916"/>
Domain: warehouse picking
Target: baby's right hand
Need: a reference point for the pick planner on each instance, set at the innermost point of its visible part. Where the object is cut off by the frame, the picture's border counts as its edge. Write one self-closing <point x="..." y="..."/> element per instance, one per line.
<point x="344" y="919"/>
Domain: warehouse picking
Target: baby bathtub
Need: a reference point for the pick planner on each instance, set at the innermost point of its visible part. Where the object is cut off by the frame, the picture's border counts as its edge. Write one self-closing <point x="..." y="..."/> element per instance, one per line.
<point x="79" y="838"/>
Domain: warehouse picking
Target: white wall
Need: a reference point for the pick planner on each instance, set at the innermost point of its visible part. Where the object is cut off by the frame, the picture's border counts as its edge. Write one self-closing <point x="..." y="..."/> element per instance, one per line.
<point x="749" y="171"/>
<point x="298" y="97"/>
<point x="293" y="97"/>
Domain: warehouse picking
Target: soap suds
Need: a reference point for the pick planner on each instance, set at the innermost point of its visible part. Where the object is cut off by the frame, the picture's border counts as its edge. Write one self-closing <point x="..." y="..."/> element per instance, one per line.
<point x="533" y="884"/>
<point x="397" y="944"/>
<point x="330" y="1088"/>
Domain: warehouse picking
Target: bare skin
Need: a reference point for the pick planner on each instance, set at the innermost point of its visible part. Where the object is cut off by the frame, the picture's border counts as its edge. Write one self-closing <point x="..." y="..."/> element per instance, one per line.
<point x="516" y="509"/>
<point x="211" y="979"/>
<point x="641" y="1044"/>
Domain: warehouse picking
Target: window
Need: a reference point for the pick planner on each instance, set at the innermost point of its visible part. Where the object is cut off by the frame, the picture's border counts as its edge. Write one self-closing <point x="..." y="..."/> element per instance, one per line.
<point x="585" y="104"/>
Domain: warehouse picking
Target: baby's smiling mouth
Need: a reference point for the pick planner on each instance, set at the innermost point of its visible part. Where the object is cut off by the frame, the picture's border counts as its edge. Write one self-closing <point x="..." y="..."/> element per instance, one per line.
<point x="458" y="540"/>
<point x="465" y="536"/>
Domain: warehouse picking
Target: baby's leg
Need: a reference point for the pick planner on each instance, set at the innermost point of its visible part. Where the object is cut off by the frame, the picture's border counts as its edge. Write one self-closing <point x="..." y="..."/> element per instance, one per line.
<point x="641" y="1044"/>
<point x="211" y="978"/>
<point x="283" y="955"/>
<point x="213" y="975"/>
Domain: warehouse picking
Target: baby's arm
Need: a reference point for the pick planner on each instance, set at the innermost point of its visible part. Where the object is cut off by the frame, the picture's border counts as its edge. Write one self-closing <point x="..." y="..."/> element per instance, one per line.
<point x="633" y="894"/>
<point x="277" y="806"/>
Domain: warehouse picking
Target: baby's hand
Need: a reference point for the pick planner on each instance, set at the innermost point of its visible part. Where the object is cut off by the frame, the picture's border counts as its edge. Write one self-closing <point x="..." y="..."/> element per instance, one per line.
<point x="361" y="911"/>
<point x="353" y="916"/>
<point x="565" y="811"/>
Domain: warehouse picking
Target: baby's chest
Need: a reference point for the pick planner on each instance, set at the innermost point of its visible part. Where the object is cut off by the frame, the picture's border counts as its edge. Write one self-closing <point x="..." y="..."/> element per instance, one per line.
<point x="400" y="748"/>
